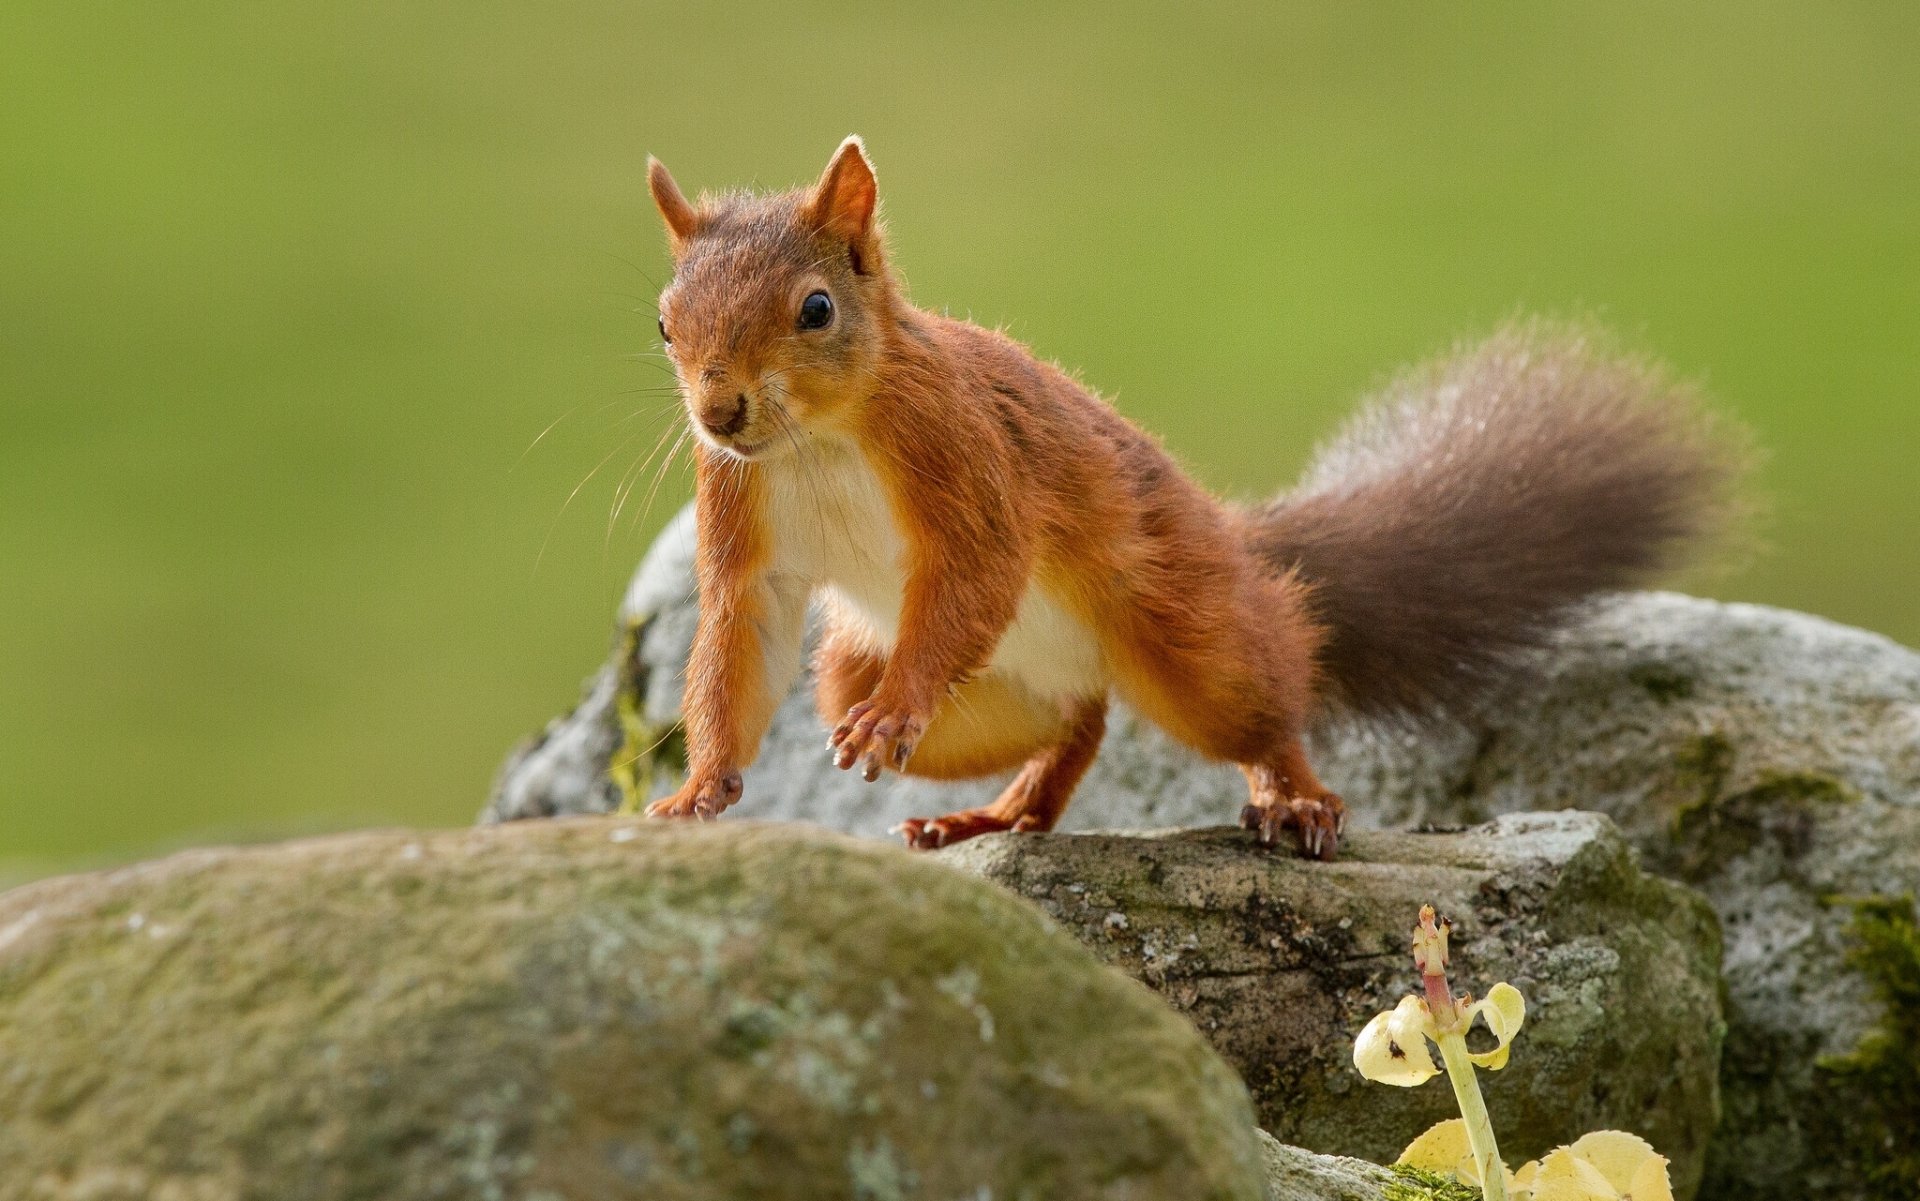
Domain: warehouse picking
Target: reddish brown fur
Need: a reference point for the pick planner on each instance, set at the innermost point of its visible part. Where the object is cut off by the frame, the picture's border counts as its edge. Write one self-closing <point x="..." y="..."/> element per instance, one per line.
<point x="1000" y="473"/>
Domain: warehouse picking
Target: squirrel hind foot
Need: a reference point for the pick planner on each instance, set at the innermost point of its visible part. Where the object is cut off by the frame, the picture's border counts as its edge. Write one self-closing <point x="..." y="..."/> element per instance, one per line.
<point x="1284" y="794"/>
<point x="932" y="833"/>
<point x="1318" y="822"/>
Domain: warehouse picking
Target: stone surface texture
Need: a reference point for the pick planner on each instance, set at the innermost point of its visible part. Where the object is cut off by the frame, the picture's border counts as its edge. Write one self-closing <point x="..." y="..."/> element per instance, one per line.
<point x="1280" y="961"/>
<point x="587" y="1009"/>
<point x="1297" y="1175"/>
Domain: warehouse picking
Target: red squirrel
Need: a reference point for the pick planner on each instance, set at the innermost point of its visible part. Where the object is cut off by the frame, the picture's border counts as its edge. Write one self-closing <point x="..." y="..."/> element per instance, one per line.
<point x="998" y="551"/>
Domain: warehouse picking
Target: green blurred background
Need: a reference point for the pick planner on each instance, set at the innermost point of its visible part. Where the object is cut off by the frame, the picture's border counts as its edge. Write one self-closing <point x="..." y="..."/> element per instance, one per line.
<point x="287" y="293"/>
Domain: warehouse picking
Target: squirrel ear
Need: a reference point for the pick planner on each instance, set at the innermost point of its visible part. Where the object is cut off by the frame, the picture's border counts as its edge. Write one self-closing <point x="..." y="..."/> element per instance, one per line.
<point x="674" y="210"/>
<point x="842" y="202"/>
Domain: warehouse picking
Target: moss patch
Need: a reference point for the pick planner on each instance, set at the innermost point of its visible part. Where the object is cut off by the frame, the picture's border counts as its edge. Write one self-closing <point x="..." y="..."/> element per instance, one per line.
<point x="1412" y="1184"/>
<point x="1701" y="768"/>
<point x="648" y="750"/>
<point x="1715" y="824"/>
<point x="1882" y="1132"/>
<point x="1798" y="788"/>
<point x="1662" y="682"/>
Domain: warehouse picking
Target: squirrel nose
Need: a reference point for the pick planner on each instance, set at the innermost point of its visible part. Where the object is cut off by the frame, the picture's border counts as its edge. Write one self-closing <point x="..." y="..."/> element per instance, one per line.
<point x="725" y="418"/>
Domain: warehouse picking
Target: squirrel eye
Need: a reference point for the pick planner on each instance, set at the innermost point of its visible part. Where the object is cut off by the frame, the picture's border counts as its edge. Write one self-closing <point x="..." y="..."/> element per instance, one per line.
<point x="664" y="336"/>
<point x="816" y="311"/>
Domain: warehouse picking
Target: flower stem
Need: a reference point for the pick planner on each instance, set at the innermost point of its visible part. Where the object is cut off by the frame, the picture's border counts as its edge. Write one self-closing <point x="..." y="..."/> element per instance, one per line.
<point x="1466" y="1092"/>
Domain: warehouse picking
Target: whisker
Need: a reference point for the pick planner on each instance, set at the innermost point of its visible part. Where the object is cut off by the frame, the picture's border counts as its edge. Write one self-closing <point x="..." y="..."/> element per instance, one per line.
<point x="576" y="491"/>
<point x="537" y="438"/>
<point x="660" y="473"/>
<point x="637" y="268"/>
<point x="656" y="412"/>
<point x="632" y="474"/>
<point x="651" y="308"/>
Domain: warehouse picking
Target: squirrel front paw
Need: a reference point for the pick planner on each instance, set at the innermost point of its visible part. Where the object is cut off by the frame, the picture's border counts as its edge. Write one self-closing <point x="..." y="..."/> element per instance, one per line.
<point x="703" y="797"/>
<point x="874" y="737"/>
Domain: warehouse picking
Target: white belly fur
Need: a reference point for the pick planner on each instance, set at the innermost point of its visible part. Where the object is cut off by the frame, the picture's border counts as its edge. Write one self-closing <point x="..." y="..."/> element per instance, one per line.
<point x="833" y="528"/>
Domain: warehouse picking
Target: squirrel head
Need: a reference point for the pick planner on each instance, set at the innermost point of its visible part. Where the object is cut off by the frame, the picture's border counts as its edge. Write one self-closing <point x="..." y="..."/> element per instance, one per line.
<point x="779" y="306"/>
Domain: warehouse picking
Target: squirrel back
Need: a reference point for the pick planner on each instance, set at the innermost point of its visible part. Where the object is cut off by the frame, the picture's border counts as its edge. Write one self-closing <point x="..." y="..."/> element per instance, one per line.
<point x="1471" y="509"/>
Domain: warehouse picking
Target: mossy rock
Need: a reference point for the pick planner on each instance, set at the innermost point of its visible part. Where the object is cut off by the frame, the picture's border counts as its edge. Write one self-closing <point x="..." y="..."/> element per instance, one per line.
<point x="589" y="1009"/>
<point x="1280" y="961"/>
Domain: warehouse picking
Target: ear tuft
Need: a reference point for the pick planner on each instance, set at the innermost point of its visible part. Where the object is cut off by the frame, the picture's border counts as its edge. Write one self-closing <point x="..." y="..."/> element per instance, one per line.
<point x="680" y="216"/>
<point x="843" y="201"/>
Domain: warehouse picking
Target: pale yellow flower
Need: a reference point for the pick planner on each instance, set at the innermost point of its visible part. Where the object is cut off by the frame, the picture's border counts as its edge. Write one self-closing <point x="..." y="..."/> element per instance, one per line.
<point x="1503" y="1011"/>
<point x="1393" y="1047"/>
<point x="1608" y="1165"/>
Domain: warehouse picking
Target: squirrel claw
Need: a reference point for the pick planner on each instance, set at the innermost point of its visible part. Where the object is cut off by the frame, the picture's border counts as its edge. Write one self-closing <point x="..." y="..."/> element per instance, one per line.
<point x="875" y="738"/>
<point x="920" y="834"/>
<point x="1318" y="821"/>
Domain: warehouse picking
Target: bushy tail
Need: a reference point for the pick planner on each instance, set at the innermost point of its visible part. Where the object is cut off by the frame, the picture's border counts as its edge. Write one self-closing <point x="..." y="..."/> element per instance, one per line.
<point x="1471" y="509"/>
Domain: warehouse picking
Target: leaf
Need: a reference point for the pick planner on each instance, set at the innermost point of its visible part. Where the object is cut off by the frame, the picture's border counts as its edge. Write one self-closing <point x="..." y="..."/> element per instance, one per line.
<point x="1446" y="1149"/>
<point x="1440" y="1149"/>
<point x="1571" y="1190"/>
<point x="1564" y="1176"/>
<point x="1650" y="1181"/>
<point x="1616" y="1153"/>
<point x="1523" y="1179"/>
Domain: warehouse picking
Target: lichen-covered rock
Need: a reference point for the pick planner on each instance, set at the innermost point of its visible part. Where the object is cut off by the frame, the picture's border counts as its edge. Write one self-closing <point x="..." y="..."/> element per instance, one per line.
<point x="1772" y="760"/>
<point x="1280" y="961"/>
<point x="589" y="1009"/>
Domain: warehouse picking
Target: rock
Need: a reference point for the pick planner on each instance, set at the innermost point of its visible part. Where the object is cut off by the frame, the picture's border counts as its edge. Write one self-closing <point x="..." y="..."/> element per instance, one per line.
<point x="1770" y="758"/>
<point x="1297" y="1175"/>
<point x="1280" y="962"/>
<point x="586" y="1009"/>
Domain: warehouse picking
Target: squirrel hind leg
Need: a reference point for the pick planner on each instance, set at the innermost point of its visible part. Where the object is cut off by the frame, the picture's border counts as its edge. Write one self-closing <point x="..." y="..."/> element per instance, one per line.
<point x="1283" y="793"/>
<point x="1036" y="798"/>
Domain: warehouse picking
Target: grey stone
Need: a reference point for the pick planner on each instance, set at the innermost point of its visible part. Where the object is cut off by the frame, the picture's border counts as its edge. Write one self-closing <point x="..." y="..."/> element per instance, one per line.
<point x="587" y="1008"/>
<point x="1280" y="962"/>
<point x="1768" y="757"/>
<point x="1772" y="760"/>
<point x="1294" y="1174"/>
